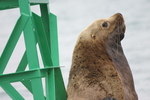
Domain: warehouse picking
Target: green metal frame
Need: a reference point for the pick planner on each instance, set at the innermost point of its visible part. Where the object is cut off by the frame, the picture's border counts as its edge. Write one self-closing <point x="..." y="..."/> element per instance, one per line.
<point x="41" y="31"/>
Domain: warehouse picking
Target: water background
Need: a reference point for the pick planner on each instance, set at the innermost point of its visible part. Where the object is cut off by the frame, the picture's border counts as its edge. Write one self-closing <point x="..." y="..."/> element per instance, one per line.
<point x="75" y="15"/>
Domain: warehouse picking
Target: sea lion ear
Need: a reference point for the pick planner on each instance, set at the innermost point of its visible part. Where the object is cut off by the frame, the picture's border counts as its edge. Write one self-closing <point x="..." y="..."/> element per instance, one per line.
<point x="93" y="36"/>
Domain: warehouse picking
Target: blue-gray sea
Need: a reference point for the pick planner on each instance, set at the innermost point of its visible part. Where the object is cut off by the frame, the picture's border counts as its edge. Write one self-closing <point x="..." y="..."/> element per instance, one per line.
<point x="75" y="15"/>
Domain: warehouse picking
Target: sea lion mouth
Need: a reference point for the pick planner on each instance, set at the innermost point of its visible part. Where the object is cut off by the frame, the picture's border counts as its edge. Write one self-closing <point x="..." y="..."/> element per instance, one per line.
<point x="119" y="30"/>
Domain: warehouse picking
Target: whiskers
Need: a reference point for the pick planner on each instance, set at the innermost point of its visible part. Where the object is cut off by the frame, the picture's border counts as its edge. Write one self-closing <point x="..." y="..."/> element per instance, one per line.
<point x="117" y="40"/>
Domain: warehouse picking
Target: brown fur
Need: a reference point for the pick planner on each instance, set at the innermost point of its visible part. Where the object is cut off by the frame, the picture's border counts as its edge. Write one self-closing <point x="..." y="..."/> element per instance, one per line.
<point x="99" y="68"/>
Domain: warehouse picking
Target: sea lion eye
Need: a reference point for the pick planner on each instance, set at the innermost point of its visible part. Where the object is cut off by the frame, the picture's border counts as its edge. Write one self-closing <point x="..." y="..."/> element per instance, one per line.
<point x="105" y="24"/>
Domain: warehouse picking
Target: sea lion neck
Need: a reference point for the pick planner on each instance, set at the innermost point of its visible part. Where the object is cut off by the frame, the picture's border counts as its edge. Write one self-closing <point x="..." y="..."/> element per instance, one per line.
<point x="90" y="50"/>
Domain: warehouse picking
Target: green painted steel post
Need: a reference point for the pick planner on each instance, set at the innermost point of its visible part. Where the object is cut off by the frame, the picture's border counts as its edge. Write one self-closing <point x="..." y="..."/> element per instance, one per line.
<point x="41" y="31"/>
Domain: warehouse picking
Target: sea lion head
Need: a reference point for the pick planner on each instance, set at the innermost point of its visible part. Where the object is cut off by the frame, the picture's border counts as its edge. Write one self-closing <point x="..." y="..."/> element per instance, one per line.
<point x="101" y="29"/>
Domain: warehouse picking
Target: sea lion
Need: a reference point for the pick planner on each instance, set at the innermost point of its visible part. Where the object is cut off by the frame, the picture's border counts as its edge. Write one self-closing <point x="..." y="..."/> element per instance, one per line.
<point x="99" y="69"/>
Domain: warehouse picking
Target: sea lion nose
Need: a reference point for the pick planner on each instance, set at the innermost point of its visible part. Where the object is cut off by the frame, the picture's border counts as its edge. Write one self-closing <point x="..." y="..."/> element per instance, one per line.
<point x="119" y="14"/>
<point x="119" y="18"/>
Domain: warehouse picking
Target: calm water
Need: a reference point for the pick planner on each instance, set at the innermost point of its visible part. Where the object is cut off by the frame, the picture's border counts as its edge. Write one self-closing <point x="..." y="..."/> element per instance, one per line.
<point x="73" y="17"/>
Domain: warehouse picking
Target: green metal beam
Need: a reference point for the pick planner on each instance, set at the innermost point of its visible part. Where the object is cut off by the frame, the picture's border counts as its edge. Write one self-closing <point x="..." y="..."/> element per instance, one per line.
<point x="42" y="39"/>
<point x="11" y="91"/>
<point x="54" y="78"/>
<point x="39" y="1"/>
<point x="9" y="4"/>
<point x="27" y="84"/>
<point x="21" y="23"/>
<point x="54" y="39"/>
<point x="30" y="43"/>
<point x="37" y="89"/>
<point x="25" y="75"/>
<point x="45" y="19"/>
<point x="23" y="63"/>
